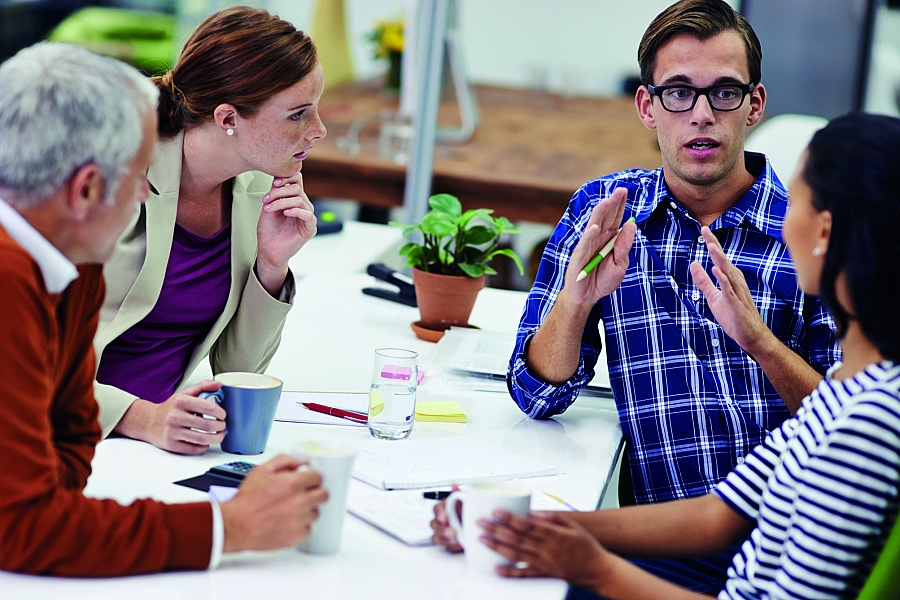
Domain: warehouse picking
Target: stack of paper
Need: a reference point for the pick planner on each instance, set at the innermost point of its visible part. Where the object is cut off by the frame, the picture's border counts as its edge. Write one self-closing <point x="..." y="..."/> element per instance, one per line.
<point x="436" y="462"/>
<point x="487" y="353"/>
<point x="407" y="516"/>
<point x="404" y="515"/>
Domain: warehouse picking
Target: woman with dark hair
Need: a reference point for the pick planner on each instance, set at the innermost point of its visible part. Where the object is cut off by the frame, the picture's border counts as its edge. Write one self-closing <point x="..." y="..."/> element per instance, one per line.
<point x="203" y="268"/>
<point x="819" y="497"/>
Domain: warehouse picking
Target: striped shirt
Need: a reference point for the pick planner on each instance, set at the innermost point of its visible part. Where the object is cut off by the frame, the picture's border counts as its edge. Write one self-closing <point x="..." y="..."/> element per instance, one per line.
<point x="691" y="402"/>
<point x="823" y="489"/>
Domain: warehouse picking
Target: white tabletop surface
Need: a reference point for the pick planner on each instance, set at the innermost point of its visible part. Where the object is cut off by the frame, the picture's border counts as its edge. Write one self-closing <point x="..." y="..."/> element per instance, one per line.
<point x="349" y="250"/>
<point x="328" y="345"/>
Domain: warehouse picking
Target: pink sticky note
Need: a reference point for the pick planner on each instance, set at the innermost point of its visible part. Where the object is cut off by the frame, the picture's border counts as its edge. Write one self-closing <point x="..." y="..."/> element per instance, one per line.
<point x="395" y="372"/>
<point x="420" y="378"/>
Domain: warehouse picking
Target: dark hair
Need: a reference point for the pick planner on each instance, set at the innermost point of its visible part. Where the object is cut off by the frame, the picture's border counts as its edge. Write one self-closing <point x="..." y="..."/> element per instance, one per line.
<point x="853" y="169"/>
<point x="701" y="19"/>
<point x="240" y="56"/>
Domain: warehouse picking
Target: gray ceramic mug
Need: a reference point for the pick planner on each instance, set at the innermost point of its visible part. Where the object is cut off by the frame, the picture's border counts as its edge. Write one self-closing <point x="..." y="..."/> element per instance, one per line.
<point x="250" y="401"/>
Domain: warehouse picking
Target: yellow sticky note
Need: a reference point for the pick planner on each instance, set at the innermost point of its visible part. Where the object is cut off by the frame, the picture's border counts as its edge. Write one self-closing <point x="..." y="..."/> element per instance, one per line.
<point x="376" y="402"/>
<point x="445" y="411"/>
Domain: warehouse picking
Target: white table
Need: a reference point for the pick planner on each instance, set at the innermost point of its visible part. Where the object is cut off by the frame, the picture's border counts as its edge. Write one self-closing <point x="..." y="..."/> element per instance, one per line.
<point x="328" y="345"/>
<point x="350" y="250"/>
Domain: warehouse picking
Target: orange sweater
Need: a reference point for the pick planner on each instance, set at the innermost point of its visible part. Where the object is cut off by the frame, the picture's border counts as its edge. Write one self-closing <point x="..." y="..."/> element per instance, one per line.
<point x="48" y="430"/>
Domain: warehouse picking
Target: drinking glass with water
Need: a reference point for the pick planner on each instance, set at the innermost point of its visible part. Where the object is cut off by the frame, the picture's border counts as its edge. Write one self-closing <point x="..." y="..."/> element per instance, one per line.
<point x="392" y="397"/>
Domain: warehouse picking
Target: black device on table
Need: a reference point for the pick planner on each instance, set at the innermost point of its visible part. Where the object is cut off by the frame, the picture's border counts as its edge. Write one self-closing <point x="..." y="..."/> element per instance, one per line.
<point x="406" y="292"/>
<point x="233" y="471"/>
<point x="227" y="475"/>
<point x="436" y="495"/>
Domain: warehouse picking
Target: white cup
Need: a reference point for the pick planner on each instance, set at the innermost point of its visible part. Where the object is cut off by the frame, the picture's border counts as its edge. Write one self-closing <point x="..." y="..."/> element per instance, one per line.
<point x="335" y="463"/>
<point x="479" y="500"/>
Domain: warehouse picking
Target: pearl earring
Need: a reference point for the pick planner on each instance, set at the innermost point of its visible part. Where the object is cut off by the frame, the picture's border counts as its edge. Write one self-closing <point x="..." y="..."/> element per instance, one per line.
<point x="229" y="131"/>
<point x="817" y="251"/>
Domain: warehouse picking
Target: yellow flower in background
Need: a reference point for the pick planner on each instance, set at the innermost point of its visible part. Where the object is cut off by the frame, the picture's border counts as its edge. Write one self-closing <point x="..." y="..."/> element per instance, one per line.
<point x="387" y="37"/>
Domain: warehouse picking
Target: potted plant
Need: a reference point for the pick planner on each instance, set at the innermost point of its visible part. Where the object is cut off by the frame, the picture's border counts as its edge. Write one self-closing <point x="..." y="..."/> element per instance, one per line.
<point x="451" y="262"/>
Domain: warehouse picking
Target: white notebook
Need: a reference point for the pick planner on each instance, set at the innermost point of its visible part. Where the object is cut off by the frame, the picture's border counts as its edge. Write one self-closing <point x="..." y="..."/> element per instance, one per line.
<point x="435" y="462"/>
<point x="406" y="515"/>
<point x="488" y="352"/>
<point x="291" y="409"/>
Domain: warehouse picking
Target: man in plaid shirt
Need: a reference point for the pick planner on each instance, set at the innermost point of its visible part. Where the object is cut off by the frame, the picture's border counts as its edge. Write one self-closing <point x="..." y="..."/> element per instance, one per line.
<point x="701" y="371"/>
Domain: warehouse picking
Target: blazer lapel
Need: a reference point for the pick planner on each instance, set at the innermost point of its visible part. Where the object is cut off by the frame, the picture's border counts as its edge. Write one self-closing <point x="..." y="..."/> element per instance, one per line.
<point x="159" y="212"/>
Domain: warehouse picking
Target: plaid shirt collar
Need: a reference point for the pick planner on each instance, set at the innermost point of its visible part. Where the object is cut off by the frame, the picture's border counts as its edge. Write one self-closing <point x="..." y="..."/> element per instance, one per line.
<point x="763" y="206"/>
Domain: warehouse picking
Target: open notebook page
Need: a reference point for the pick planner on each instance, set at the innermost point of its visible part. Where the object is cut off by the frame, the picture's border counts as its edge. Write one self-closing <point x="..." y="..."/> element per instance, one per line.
<point x="291" y="410"/>
<point x="435" y="462"/>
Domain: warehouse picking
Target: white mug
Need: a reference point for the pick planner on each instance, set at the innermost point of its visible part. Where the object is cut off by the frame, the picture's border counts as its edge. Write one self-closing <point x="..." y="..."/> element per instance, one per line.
<point x="479" y="500"/>
<point x="335" y="463"/>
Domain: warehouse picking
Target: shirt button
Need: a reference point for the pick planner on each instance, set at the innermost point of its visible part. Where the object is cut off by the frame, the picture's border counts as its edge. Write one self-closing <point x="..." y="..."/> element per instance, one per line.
<point x="740" y="460"/>
<point x="727" y="400"/>
<point x="695" y="296"/>
<point x="715" y="343"/>
<point x="701" y="240"/>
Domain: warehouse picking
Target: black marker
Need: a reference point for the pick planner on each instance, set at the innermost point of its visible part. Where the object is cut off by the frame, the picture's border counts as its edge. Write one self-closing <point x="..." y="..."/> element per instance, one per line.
<point x="436" y="495"/>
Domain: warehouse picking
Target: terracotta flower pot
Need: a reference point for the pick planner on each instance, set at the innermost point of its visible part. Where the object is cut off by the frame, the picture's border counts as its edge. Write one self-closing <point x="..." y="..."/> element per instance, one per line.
<point x="445" y="301"/>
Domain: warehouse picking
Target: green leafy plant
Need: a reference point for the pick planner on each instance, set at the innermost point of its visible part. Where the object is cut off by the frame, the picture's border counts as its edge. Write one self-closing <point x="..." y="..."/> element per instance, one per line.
<point x="457" y="242"/>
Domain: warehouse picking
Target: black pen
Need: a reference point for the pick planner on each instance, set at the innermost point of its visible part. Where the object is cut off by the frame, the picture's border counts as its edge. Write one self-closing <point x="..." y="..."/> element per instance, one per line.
<point x="442" y="495"/>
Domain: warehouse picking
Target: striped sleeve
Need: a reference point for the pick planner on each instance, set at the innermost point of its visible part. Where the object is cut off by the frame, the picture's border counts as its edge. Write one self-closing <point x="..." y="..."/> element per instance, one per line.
<point x="742" y="488"/>
<point x="845" y="496"/>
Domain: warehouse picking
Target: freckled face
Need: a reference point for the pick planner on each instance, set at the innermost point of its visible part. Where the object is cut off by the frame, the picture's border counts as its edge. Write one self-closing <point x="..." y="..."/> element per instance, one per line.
<point x="277" y="137"/>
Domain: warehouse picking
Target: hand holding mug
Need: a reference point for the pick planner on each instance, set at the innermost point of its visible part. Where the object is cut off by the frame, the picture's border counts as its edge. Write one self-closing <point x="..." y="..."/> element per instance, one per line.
<point x="178" y="424"/>
<point x="545" y="545"/>
<point x="250" y="401"/>
<point x="444" y="535"/>
<point x="477" y="502"/>
<point x="275" y="506"/>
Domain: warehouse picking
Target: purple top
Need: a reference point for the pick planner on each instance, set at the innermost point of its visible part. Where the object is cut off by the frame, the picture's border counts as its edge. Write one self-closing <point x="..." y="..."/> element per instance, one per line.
<point x="150" y="359"/>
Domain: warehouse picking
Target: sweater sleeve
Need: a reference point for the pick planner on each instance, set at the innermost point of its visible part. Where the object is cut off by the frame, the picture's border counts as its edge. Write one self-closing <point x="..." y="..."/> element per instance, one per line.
<point x="48" y="430"/>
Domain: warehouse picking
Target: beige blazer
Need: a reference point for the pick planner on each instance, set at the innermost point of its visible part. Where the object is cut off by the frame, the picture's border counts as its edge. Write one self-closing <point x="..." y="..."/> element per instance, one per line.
<point x="248" y="332"/>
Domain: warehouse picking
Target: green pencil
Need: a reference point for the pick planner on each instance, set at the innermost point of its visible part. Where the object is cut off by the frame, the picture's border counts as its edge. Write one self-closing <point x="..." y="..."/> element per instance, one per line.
<point x="600" y="255"/>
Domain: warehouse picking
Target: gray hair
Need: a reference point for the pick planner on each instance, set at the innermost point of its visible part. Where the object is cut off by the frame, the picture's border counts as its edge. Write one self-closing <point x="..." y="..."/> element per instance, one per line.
<point x="63" y="107"/>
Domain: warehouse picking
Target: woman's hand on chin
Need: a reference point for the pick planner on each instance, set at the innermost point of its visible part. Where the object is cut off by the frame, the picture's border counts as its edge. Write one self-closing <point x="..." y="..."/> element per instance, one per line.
<point x="286" y="223"/>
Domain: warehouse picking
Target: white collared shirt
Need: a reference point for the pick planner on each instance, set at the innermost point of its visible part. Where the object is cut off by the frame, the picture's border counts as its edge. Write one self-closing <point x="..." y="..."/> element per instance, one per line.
<point x="57" y="270"/>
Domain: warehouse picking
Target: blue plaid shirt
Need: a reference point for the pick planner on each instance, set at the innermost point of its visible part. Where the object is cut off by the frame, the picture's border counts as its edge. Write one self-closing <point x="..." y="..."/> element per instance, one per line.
<point x="692" y="403"/>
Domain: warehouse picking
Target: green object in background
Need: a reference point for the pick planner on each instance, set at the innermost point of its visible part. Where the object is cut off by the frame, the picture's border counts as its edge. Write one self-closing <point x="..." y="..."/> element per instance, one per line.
<point x="328" y="223"/>
<point x="884" y="582"/>
<point x="145" y="40"/>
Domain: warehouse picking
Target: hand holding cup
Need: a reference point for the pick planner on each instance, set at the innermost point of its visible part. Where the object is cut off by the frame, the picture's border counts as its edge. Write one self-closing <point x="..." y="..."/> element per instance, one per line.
<point x="274" y="507"/>
<point x="477" y="502"/>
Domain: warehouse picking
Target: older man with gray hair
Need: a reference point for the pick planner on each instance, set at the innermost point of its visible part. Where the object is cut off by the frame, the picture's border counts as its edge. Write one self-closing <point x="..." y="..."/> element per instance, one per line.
<point x="77" y="134"/>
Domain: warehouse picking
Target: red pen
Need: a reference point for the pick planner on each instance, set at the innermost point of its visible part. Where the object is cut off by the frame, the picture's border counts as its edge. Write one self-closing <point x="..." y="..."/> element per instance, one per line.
<point x="350" y="415"/>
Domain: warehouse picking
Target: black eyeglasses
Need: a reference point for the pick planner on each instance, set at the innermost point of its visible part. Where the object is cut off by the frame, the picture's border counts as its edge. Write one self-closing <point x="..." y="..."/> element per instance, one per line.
<point x="682" y="98"/>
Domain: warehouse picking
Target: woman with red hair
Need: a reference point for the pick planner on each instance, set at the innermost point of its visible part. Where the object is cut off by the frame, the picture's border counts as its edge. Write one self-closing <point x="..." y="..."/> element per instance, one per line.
<point x="203" y="268"/>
